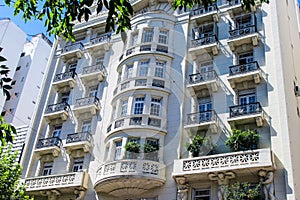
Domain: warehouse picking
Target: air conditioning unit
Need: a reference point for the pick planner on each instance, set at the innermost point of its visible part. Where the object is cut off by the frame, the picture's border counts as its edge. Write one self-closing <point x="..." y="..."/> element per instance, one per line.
<point x="297" y="90"/>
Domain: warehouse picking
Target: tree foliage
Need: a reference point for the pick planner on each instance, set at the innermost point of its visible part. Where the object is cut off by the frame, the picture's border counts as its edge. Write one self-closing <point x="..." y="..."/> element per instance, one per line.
<point x="60" y="15"/>
<point x="243" y="140"/>
<point x="10" y="172"/>
<point x="243" y="191"/>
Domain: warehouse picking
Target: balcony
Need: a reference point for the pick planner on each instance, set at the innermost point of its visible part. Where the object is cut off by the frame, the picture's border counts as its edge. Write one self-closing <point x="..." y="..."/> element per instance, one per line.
<point x="86" y="105"/>
<point x="203" y="121"/>
<point x="201" y="14"/>
<point x="146" y="48"/>
<point x="207" y="44"/>
<point x="66" y="79"/>
<point x="206" y="80"/>
<point x="101" y="42"/>
<point x="77" y="141"/>
<point x="244" y="72"/>
<point x="72" y="50"/>
<point x="94" y="72"/>
<point x="57" y="111"/>
<point x="142" y="83"/>
<point x="48" y="146"/>
<point x="149" y="122"/>
<point x="247" y="113"/>
<point x="241" y="163"/>
<point x="243" y="35"/>
<point x="128" y="178"/>
<point x="64" y="183"/>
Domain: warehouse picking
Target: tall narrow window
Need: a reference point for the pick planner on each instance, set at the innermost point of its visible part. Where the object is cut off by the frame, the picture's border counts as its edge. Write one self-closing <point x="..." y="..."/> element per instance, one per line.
<point x="134" y="38"/>
<point x="159" y="68"/>
<point x="47" y="168"/>
<point x="143" y="68"/>
<point x="86" y="126"/>
<point x="93" y="91"/>
<point x="244" y="58"/>
<point x="99" y="61"/>
<point x="72" y="67"/>
<point x="138" y="105"/>
<point x="129" y="71"/>
<point x="78" y="164"/>
<point x="163" y="37"/>
<point x="124" y="105"/>
<point x="155" y="106"/>
<point x="118" y="150"/>
<point x="57" y="131"/>
<point x="147" y="35"/>
<point x="65" y="97"/>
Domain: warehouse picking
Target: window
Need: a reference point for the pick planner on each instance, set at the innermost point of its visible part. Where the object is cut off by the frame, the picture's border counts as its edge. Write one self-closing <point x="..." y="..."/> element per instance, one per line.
<point x="86" y="126"/>
<point x="247" y="97"/>
<point x="134" y="38"/>
<point x="138" y="105"/>
<point x="99" y="61"/>
<point x="18" y="68"/>
<point x="78" y="164"/>
<point x="118" y="150"/>
<point x="243" y="21"/>
<point x="155" y="106"/>
<point x="163" y="37"/>
<point x="201" y="194"/>
<point x="93" y="91"/>
<point x="159" y="68"/>
<point x="119" y="77"/>
<point x="129" y="71"/>
<point x="244" y="58"/>
<point x="147" y="35"/>
<point x="134" y="139"/>
<point x="72" y="67"/>
<point x="203" y="31"/>
<point x="205" y="104"/>
<point x="65" y="97"/>
<point x="124" y="105"/>
<point x="47" y="168"/>
<point x="57" y="131"/>
<point x="143" y="68"/>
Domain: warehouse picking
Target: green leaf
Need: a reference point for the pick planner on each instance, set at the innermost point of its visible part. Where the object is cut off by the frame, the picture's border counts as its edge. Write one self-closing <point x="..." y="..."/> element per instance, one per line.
<point x="2" y="59"/>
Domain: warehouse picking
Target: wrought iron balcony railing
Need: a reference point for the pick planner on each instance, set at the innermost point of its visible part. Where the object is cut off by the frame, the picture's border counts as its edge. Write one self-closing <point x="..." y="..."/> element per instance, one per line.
<point x="202" y="10"/>
<point x="57" y="107"/>
<point x="92" y="69"/>
<point x="239" y="32"/>
<point x="86" y="101"/>
<point x="204" y="41"/>
<point x="79" y="137"/>
<point x="101" y="38"/>
<point x="64" y="76"/>
<point x="72" y="47"/>
<point x="246" y="109"/>
<point x="243" y="68"/>
<point x="49" y="142"/>
<point x="201" y="117"/>
<point x="202" y="77"/>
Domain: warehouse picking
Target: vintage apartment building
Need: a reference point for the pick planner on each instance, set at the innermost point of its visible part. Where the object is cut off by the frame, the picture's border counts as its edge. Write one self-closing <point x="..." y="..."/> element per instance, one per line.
<point x="118" y="111"/>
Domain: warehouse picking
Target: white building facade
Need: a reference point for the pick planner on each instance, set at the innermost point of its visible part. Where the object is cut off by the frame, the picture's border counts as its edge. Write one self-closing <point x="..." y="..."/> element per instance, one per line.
<point x="116" y="114"/>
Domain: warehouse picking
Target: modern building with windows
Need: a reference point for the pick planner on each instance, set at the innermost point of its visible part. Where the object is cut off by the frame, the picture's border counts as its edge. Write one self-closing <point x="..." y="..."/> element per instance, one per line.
<point x="119" y="111"/>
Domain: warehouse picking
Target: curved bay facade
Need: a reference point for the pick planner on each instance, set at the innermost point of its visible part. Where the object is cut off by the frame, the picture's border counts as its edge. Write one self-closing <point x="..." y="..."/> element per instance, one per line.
<point x="118" y="112"/>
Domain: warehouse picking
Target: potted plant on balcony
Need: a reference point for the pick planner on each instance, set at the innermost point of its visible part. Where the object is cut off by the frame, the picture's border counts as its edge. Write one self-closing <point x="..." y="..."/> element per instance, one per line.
<point x="195" y="146"/>
<point x="243" y="140"/>
<point x="132" y="149"/>
<point x="151" y="151"/>
<point x="243" y="191"/>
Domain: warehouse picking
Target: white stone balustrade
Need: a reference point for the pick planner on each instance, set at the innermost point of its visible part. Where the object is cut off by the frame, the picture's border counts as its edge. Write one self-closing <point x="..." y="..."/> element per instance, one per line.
<point x="61" y="181"/>
<point x="259" y="158"/>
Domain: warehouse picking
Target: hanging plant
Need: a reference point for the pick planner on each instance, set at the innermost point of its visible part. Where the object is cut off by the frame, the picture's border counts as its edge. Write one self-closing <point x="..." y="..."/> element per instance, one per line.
<point x="243" y="140"/>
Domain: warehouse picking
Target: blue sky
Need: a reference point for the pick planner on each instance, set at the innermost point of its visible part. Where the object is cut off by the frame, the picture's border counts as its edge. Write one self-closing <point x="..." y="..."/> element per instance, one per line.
<point x="30" y="28"/>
